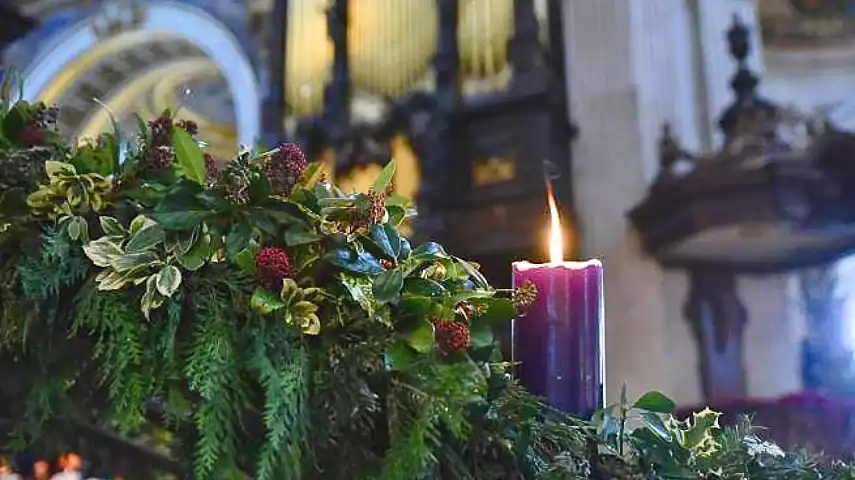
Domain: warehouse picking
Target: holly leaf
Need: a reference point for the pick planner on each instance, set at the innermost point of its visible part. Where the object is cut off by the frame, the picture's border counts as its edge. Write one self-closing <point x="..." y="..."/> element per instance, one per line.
<point x="362" y="262"/>
<point x="387" y="286"/>
<point x="429" y="251"/>
<point x="189" y="158"/>
<point x="421" y="338"/>
<point x="655" y="402"/>
<point x="264" y="302"/>
<point x="654" y="422"/>
<point x="380" y="236"/>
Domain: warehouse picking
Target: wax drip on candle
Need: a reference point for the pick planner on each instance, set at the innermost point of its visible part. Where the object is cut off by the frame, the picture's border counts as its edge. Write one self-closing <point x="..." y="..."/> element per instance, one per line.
<point x="556" y="240"/>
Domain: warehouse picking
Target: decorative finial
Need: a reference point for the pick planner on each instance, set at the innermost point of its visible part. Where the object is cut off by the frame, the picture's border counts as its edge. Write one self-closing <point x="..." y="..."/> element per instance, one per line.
<point x="670" y="150"/>
<point x="744" y="82"/>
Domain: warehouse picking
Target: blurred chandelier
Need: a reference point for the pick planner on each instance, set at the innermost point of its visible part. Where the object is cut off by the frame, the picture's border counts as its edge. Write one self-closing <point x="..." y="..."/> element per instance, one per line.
<point x="391" y="45"/>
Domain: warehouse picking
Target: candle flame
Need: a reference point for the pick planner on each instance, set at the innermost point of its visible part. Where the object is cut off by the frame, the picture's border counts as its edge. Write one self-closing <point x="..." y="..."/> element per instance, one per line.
<point x="556" y="239"/>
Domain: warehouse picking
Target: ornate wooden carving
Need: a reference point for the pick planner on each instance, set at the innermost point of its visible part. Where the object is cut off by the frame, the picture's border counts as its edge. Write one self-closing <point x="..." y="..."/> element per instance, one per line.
<point x="438" y="158"/>
<point x="273" y="110"/>
<point x="336" y="114"/>
<point x="494" y="220"/>
<point x="718" y="319"/>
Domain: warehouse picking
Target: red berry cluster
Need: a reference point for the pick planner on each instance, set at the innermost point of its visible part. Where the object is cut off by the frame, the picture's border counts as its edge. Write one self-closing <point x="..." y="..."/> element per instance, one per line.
<point x="285" y="168"/>
<point x="33" y="133"/>
<point x="212" y="171"/>
<point x="161" y="128"/>
<point x="160" y="158"/>
<point x="452" y="337"/>
<point x="272" y="265"/>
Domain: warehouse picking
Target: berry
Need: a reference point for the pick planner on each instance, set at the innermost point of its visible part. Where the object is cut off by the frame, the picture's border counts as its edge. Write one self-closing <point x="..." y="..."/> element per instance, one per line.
<point x="524" y="296"/>
<point x="32" y="135"/>
<point x="272" y="265"/>
<point x="377" y="206"/>
<point x="190" y="126"/>
<point x="212" y="171"/>
<point x="285" y="168"/>
<point x="159" y="158"/>
<point x="452" y="337"/>
<point x="161" y="128"/>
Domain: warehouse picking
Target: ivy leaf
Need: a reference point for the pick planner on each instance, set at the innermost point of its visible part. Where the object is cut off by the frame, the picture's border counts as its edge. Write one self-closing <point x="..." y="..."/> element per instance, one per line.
<point x="238" y="238"/>
<point x="360" y="291"/>
<point x="351" y="261"/>
<point x="245" y="260"/>
<point x="129" y="261"/>
<point x="399" y="356"/>
<point x="55" y="169"/>
<point x="145" y="238"/>
<point x="498" y="310"/>
<point x="150" y="299"/>
<point x="475" y="275"/>
<point x="481" y="334"/>
<point x="387" y="286"/>
<point x="384" y="179"/>
<point x="264" y="302"/>
<point x="167" y="280"/>
<point x="654" y="422"/>
<point x="111" y="226"/>
<point x="180" y="220"/>
<point x="424" y="287"/>
<point x="139" y="222"/>
<point x="655" y="402"/>
<point x="421" y="339"/>
<point x="189" y="158"/>
<point x="78" y="229"/>
<point x="102" y="251"/>
<point x="182" y="208"/>
<point x="300" y="236"/>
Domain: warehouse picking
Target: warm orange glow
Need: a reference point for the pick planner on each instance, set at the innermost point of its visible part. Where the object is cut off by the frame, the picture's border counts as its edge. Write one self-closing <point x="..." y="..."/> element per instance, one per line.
<point x="556" y="239"/>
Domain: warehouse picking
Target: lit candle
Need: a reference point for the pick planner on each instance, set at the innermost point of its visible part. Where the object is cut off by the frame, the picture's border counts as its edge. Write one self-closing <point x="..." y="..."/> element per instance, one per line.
<point x="559" y="341"/>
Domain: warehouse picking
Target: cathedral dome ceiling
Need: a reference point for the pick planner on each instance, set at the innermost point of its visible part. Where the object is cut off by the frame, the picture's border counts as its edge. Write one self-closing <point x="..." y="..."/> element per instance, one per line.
<point x="391" y="43"/>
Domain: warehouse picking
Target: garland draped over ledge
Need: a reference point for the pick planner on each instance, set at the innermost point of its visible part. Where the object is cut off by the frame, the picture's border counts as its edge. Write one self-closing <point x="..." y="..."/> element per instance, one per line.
<point x="276" y="327"/>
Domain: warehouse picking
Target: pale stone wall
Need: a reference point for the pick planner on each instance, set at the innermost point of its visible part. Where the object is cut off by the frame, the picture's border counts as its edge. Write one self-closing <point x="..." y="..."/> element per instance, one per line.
<point x="633" y="65"/>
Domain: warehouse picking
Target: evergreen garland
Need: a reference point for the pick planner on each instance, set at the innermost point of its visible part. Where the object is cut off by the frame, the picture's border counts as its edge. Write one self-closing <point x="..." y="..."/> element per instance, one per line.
<point x="278" y="328"/>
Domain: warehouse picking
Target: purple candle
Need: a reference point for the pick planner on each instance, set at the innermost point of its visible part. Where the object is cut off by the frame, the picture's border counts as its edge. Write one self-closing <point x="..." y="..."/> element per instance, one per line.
<point x="559" y="342"/>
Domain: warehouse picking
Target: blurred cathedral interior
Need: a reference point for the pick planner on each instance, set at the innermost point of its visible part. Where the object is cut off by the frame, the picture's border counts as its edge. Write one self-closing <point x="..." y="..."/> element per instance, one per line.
<point x="701" y="148"/>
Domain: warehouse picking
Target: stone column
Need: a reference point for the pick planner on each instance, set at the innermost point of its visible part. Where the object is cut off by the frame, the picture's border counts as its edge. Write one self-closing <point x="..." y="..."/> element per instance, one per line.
<point x="632" y="66"/>
<point x="627" y="73"/>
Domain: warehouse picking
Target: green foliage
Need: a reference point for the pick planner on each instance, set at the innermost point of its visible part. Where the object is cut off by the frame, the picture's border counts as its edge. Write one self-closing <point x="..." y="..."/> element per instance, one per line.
<point x="286" y="335"/>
